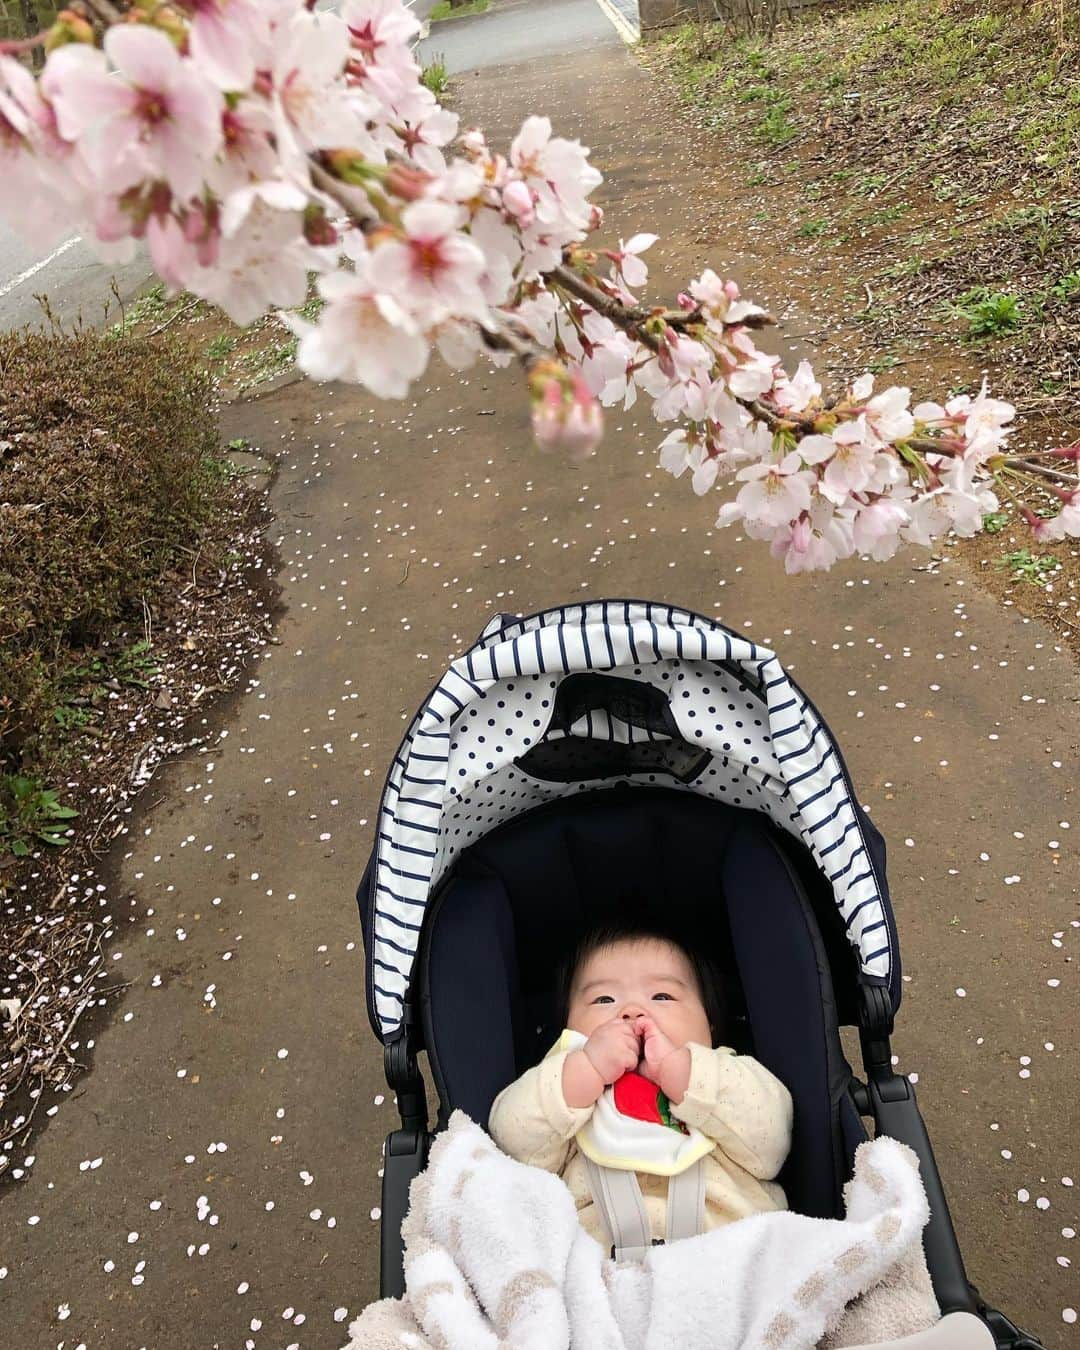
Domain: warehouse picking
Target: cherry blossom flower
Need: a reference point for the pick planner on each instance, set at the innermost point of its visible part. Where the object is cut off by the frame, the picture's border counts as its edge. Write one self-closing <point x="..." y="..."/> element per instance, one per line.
<point x="175" y="258"/>
<point x="1065" y="525"/>
<point x="888" y="417"/>
<point x="813" y="542"/>
<point x="774" y="494"/>
<point x="984" y="427"/>
<point x="876" y="528"/>
<point x="755" y="372"/>
<point x="560" y="175"/>
<point x="627" y="261"/>
<point x="795" y="395"/>
<point x="850" y="462"/>
<point x="153" y="115"/>
<point x="263" y="259"/>
<point x="519" y="203"/>
<point x="678" y="452"/>
<point x="247" y="153"/>
<point x="36" y="165"/>
<point x="501" y="251"/>
<point x="382" y="31"/>
<point x="226" y="36"/>
<point x="435" y="268"/>
<point x="312" y="105"/>
<point x="362" y="335"/>
<point x="720" y="300"/>
<point x="424" y="134"/>
<point x="942" y="509"/>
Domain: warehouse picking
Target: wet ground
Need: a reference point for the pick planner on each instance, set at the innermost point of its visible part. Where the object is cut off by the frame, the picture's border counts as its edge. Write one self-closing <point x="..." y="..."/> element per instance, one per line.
<point x="214" y="1180"/>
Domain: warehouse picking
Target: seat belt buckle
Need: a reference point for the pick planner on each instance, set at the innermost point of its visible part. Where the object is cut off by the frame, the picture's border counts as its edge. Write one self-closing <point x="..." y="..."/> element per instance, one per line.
<point x="656" y="1242"/>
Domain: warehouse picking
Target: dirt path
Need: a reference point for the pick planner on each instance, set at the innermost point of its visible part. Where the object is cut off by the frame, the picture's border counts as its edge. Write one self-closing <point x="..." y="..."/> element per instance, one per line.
<point x="240" y="1067"/>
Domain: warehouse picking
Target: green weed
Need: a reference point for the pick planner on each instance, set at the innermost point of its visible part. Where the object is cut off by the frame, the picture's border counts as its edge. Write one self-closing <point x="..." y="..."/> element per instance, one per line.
<point x="989" y="314"/>
<point x="444" y="10"/>
<point x="218" y="348"/>
<point x="31" y="813"/>
<point x="995" y="522"/>
<point x="1024" y="565"/>
<point x="775" y="128"/>
<point x="1067" y="287"/>
<point x="436" y="77"/>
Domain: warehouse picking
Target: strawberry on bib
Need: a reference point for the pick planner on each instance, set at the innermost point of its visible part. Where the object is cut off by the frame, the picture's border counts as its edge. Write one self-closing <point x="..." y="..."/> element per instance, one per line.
<point x="632" y="1128"/>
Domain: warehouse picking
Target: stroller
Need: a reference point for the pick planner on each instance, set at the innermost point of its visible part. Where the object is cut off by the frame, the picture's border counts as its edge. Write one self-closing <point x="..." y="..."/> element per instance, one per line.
<point x="624" y="747"/>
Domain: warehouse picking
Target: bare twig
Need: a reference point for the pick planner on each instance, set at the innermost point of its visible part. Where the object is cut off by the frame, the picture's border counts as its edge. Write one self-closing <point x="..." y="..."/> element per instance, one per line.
<point x="176" y="314"/>
<point x="104" y="10"/>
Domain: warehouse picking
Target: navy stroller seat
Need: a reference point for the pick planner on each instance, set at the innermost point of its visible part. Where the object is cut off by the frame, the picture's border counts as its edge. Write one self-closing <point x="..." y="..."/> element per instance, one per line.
<point x="613" y="754"/>
<point x="520" y="897"/>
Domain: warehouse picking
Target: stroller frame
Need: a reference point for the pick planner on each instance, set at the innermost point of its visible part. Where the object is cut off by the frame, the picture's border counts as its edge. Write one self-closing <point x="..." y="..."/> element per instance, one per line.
<point x="885" y="1096"/>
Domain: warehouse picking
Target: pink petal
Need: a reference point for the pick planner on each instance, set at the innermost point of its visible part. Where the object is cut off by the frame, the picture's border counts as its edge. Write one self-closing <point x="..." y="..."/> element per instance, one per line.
<point x="81" y="91"/>
<point x="223" y="51"/>
<point x="145" y="56"/>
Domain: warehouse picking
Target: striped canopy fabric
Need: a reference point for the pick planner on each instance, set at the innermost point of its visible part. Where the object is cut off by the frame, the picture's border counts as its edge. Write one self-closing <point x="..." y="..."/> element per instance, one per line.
<point x="458" y="773"/>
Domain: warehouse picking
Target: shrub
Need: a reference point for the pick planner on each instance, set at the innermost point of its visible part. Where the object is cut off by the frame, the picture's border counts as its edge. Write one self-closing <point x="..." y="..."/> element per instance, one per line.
<point x="109" y="467"/>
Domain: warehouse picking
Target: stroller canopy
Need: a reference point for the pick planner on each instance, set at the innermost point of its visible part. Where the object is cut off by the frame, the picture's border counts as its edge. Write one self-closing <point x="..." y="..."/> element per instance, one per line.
<point x="589" y="695"/>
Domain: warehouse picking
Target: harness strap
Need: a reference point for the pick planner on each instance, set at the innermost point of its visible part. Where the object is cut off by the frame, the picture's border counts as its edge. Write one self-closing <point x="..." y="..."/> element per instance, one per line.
<point x="686" y="1203"/>
<point x="617" y="1195"/>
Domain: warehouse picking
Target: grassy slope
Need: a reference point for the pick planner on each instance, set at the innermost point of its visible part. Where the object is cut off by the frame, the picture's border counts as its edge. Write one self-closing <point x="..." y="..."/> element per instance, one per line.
<point x="919" y="160"/>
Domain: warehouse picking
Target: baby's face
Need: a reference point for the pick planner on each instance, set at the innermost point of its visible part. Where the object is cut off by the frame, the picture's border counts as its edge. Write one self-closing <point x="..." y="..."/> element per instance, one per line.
<point x="631" y="979"/>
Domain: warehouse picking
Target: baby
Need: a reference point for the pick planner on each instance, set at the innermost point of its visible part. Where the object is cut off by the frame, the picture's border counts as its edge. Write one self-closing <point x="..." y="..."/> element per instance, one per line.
<point x="640" y="1003"/>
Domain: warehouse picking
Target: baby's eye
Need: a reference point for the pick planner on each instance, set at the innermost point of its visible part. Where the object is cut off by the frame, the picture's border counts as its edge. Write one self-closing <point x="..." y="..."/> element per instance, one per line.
<point x="603" y="998"/>
<point x="663" y="995"/>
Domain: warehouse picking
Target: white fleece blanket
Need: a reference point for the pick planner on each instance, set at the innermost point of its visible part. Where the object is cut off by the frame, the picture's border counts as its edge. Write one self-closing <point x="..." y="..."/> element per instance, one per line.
<point x="495" y="1259"/>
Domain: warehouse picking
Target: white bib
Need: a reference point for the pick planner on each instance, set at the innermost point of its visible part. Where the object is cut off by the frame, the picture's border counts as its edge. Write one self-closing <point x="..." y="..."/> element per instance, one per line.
<point x="613" y="1139"/>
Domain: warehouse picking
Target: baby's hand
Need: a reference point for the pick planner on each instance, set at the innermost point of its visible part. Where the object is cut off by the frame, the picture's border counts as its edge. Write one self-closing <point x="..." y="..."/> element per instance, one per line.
<point x="666" y="1064"/>
<point x="613" y="1049"/>
<point x="657" y="1047"/>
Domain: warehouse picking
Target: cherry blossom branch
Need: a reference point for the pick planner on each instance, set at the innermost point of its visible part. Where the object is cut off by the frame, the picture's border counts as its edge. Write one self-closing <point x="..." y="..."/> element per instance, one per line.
<point x="505" y="339"/>
<point x="13" y="46"/>
<point x="274" y="142"/>
<point x="631" y="318"/>
<point x="628" y="317"/>
<point x="105" y="11"/>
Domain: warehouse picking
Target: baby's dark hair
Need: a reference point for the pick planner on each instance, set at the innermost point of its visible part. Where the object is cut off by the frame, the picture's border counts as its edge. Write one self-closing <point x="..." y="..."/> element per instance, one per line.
<point x="636" y="929"/>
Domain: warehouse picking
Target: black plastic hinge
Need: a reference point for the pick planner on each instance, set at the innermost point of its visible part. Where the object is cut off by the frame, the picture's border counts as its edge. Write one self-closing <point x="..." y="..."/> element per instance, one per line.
<point x="875" y="1028"/>
<point x="404" y="1078"/>
<point x="876" y="1011"/>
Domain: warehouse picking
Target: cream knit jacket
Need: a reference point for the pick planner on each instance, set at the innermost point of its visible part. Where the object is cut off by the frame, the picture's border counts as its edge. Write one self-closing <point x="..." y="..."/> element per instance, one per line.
<point x="731" y="1098"/>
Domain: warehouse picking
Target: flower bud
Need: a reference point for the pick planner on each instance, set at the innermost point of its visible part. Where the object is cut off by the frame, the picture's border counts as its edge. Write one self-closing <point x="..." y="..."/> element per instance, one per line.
<point x="163" y="17"/>
<point x="406" y="182"/>
<point x="474" y="143"/>
<point x="351" y="167"/>
<point x="565" y="415"/>
<point x="319" y="230"/>
<point x="518" y="202"/>
<point x="69" y="27"/>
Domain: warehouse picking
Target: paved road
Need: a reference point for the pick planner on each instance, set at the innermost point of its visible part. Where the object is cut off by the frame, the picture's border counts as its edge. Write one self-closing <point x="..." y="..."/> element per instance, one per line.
<point x="518" y="30"/>
<point x="239" y="1066"/>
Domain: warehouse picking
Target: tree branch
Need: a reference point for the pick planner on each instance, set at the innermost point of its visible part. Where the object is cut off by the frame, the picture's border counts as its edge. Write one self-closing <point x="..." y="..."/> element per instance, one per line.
<point x="105" y="11"/>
